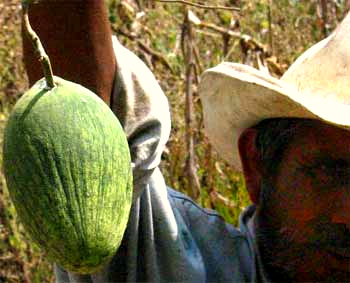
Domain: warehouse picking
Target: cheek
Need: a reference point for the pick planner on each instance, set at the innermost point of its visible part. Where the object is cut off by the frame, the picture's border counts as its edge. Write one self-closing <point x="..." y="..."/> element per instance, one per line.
<point x="298" y="199"/>
<point x="298" y="232"/>
<point x="300" y="207"/>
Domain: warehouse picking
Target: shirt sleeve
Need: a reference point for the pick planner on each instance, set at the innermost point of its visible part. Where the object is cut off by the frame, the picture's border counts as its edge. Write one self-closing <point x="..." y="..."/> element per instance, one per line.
<point x="143" y="110"/>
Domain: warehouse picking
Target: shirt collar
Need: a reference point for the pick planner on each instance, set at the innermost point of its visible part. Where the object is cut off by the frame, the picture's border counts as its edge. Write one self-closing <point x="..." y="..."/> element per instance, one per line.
<point x="246" y="220"/>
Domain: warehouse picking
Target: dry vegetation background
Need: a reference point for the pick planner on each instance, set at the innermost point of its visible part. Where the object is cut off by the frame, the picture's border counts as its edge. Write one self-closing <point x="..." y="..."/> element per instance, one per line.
<point x="177" y="42"/>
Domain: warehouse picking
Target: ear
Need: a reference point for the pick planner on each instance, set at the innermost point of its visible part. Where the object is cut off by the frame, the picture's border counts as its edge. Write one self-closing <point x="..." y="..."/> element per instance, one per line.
<point x="251" y="163"/>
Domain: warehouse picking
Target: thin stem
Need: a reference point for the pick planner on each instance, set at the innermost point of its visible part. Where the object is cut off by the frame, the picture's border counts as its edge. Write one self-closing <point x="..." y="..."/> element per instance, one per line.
<point x="188" y="52"/>
<point x="200" y="5"/>
<point x="38" y="48"/>
<point x="269" y="18"/>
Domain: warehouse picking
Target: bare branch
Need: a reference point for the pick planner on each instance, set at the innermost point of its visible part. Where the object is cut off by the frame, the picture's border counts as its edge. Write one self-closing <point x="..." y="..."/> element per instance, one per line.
<point x="324" y="15"/>
<point x="188" y="50"/>
<point x="199" y="65"/>
<point x="276" y="68"/>
<point x="217" y="197"/>
<point x="247" y="40"/>
<point x="232" y="49"/>
<point x="157" y="55"/>
<point x="269" y="18"/>
<point x="254" y="44"/>
<point x="184" y="2"/>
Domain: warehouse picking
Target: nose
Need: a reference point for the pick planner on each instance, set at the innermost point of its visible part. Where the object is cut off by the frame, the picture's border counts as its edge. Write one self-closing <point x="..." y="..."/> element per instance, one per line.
<point x="341" y="211"/>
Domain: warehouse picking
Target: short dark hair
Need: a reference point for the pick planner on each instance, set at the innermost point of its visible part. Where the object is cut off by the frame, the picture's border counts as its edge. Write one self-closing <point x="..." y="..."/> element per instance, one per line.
<point x="273" y="137"/>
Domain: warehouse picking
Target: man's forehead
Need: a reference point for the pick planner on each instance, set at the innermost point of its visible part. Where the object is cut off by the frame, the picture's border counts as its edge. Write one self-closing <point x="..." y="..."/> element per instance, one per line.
<point x="302" y="124"/>
<point x="279" y="137"/>
<point x="315" y="137"/>
<point x="320" y="129"/>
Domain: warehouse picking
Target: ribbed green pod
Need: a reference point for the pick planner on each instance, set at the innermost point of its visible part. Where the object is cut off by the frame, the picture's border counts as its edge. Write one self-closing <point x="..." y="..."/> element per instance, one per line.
<point x="68" y="170"/>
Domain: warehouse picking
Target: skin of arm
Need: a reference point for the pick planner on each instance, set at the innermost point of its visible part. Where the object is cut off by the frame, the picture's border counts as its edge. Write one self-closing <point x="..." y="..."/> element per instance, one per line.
<point x="76" y="35"/>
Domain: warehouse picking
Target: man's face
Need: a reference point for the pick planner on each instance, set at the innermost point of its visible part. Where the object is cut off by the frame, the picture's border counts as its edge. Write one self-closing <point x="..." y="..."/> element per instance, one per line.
<point x="303" y="227"/>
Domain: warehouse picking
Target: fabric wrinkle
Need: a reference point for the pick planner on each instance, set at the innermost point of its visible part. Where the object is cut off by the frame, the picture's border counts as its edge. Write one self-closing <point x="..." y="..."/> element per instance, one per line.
<point x="169" y="238"/>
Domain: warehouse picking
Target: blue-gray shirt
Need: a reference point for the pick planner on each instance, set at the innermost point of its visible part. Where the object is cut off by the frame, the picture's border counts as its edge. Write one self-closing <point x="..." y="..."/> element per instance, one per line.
<point x="169" y="238"/>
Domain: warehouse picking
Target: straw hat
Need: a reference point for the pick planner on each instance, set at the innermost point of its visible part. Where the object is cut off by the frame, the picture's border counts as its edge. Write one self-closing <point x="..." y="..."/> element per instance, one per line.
<point x="317" y="85"/>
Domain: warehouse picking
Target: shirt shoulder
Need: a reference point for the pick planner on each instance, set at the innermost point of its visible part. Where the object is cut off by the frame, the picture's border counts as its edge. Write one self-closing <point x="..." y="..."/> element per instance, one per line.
<point x="225" y="249"/>
<point x="197" y="215"/>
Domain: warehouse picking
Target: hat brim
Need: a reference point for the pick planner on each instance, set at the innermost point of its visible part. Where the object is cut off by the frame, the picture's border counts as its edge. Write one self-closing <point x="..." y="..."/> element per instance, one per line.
<point x="235" y="97"/>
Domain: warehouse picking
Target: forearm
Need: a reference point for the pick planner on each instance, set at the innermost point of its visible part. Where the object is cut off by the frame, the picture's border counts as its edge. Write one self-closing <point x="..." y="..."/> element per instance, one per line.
<point x="77" y="37"/>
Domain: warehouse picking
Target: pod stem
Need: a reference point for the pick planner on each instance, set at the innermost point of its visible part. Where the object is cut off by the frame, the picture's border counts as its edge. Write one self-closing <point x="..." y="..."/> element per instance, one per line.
<point x="38" y="47"/>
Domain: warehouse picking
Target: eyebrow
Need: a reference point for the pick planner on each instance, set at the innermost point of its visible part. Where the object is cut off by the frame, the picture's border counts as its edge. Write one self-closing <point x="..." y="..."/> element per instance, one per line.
<point x="327" y="161"/>
<point x="331" y="161"/>
<point x="337" y="168"/>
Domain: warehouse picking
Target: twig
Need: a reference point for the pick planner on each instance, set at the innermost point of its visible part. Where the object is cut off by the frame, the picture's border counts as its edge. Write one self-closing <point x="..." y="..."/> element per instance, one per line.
<point x="155" y="54"/>
<point x="200" y="5"/>
<point x="215" y="196"/>
<point x="232" y="49"/>
<point x="214" y="35"/>
<point x="38" y="47"/>
<point x="276" y="68"/>
<point x="269" y="18"/>
<point x="256" y="45"/>
<point x="198" y="60"/>
<point x="209" y="161"/>
<point x="187" y="50"/>
<point x="246" y="39"/>
<point x="159" y="56"/>
<point x="324" y="15"/>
